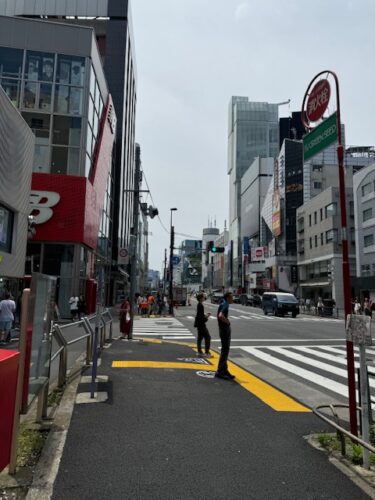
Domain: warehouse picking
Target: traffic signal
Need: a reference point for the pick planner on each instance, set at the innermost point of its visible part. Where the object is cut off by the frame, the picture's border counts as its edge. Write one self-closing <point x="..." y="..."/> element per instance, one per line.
<point x="152" y="211"/>
<point x="214" y="249"/>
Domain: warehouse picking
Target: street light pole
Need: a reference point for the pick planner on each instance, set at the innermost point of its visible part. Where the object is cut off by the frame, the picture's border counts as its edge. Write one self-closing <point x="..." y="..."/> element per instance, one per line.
<point x="171" y="266"/>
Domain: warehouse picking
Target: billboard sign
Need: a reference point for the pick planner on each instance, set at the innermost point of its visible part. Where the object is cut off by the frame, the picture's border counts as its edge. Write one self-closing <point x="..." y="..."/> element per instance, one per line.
<point x="320" y="138"/>
<point x="276" y="213"/>
<point x="318" y="100"/>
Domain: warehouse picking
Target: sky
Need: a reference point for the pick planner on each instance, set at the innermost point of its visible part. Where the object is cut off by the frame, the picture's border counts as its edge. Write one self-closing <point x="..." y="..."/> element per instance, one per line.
<point x="193" y="55"/>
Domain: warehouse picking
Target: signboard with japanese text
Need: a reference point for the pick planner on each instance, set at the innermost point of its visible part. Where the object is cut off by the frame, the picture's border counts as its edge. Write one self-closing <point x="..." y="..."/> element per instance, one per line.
<point x="318" y="100"/>
<point x="320" y="138"/>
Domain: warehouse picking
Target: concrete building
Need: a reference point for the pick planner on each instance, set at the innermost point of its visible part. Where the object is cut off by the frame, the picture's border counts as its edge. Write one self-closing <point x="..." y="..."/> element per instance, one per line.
<point x="209" y="234"/>
<point x="112" y="24"/>
<point x="319" y="245"/>
<point x="364" y="214"/>
<point x="17" y="150"/>
<point x="218" y="262"/>
<point x="63" y="96"/>
<point x="253" y="130"/>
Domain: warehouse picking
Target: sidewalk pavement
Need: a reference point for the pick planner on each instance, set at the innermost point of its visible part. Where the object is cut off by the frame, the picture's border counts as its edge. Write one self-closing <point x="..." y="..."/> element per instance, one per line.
<point x="170" y="430"/>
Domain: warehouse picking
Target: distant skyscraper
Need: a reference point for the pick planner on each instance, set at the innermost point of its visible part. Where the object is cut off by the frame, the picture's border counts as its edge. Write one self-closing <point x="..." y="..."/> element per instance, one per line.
<point x="253" y="130"/>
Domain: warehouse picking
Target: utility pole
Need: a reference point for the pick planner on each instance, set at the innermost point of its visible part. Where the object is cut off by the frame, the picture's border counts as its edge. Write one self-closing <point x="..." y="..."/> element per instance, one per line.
<point x="134" y="236"/>
<point x="171" y="266"/>
<point x="165" y="270"/>
<point x="171" y="272"/>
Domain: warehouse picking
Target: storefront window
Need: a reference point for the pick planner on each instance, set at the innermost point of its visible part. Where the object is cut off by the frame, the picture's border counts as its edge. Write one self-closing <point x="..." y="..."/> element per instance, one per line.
<point x="41" y="159"/>
<point x="6" y="228"/>
<point x="68" y="100"/>
<point x="59" y="163"/>
<point x="45" y="97"/>
<point x="11" y="62"/>
<point x="39" y="66"/>
<point x="67" y="130"/>
<point x="73" y="161"/>
<point x="29" y="97"/>
<point x="39" y="124"/>
<point x="71" y="70"/>
<point x="12" y="88"/>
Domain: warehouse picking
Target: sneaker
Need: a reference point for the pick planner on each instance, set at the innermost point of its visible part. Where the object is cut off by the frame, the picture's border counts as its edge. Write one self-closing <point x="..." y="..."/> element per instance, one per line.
<point x="200" y="355"/>
<point x="231" y="376"/>
<point x="208" y="355"/>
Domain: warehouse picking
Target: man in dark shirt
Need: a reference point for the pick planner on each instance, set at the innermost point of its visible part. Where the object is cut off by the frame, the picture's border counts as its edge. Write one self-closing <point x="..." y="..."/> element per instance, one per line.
<point x="225" y="333"/>
<point x="203" y="333"/>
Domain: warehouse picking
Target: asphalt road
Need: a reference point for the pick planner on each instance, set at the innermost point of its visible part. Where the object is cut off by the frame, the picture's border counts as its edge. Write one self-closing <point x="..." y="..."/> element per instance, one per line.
<point x="304" y="356"/>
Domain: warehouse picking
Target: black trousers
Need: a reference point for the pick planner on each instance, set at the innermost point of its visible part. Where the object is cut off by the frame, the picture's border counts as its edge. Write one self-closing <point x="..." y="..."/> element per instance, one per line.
<point x="203" y="333"/>
<point x="225" y="333"/>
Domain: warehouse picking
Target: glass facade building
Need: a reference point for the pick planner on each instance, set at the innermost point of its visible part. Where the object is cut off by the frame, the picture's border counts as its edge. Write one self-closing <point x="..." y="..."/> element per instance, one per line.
<point x="63" y="97"/>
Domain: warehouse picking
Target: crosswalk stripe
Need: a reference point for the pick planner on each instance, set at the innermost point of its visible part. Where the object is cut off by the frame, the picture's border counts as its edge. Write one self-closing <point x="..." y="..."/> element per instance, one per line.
<point x="163" y="328"/>
<point x="308" y="375"/>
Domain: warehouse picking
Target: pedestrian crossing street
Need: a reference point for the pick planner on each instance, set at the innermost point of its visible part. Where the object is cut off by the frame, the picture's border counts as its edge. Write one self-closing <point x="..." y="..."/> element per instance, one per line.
<point x="263" y="317"/>
<point x="323" y="366"/>
<point x="164" y="328"/>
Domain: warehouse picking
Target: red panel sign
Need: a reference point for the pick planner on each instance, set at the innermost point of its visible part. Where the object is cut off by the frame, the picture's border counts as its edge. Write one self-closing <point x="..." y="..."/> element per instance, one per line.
<point x="68" y="208"/>
<point x="318" y="100"/>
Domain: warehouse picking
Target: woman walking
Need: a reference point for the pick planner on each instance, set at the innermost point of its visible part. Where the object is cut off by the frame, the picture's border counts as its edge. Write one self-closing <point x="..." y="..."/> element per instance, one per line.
<point x="203" y="333"/>
<point x="125" y="319"/>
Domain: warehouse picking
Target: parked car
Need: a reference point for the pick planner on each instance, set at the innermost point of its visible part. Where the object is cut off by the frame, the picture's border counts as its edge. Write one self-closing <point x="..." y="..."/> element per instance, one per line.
<point x="247" y="299"/>
<point x="236" y="299"/>
<point x="279" y="304"/>
<point x="216" y="297"/>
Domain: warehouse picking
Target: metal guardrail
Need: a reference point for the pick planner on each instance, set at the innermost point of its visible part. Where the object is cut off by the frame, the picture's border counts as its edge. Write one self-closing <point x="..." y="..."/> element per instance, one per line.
<point x="341" y="432"/>
<point x="106" y="321"/>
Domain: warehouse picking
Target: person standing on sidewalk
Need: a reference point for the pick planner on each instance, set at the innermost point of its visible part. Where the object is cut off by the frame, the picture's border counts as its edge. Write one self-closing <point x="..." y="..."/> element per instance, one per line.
<point x="225" y="333"/>
<point x="125" y="318"/>
<point x="7" y="308"/>
<point x="203" y="333"/>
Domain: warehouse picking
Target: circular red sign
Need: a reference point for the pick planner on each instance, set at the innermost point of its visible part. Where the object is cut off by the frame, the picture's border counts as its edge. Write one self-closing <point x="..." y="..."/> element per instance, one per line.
<point x="318" y="100"/>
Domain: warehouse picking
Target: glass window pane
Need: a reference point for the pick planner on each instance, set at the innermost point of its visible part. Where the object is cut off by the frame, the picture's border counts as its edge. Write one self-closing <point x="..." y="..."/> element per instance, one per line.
<point x="12" y="88"/>
<point x="71" y="70"/>
<point x="38" y="123"/>
<point x="11" y="62"/>
<point x="41" y="159"/>
<point x="62" y="99"/>
<point x="45" y="97"/>
<point x="29" y="97"/>
<point x="87" y="165"/>
<point x="89" y="141"/>
<point x="75" y="101"/>
<point x="59" y="162"/>
<point x="67" y="130"/>
<point x="91" y="112"/>
<point x="97" y="97"/>
<point x="92" y="82"/>
<point x="39" y="66"/>
<point x="73" y="161"/>
<point x="6" y="229"/>
<point x="96" y="125"/>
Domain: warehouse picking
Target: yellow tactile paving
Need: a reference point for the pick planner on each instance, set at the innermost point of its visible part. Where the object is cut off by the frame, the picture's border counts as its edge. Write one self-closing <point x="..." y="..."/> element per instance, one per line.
<point x="265" y="392"/>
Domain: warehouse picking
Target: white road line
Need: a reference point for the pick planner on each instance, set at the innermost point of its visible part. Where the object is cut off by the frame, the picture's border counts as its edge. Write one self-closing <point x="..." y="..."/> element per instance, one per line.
<point x="283" y="340"/>
<point x="312" y="377"/>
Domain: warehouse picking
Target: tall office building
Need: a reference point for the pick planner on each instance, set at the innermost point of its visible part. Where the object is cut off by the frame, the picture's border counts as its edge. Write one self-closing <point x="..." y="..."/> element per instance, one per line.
<point x="253" y="130"/>
<point x="111" y="20"/>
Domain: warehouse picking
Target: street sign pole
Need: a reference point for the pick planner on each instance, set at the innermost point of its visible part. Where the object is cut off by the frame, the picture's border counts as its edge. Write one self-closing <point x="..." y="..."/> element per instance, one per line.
<point x="345" y="252"/>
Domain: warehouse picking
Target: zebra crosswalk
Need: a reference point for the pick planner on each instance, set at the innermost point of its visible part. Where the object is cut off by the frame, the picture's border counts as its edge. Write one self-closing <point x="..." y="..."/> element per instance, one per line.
<point x="261" y="317"/>
<point x="165" y="328"/>
<point x="323" y="365"/>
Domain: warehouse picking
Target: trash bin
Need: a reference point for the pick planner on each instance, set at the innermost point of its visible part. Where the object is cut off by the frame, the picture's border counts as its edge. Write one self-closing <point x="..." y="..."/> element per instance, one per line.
<point x="9" y="361"/>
